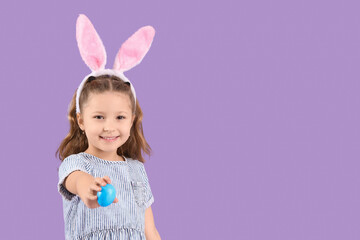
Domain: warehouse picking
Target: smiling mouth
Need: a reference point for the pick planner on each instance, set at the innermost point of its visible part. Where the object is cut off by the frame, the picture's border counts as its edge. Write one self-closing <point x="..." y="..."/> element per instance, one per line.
<point x="109" y="138"/>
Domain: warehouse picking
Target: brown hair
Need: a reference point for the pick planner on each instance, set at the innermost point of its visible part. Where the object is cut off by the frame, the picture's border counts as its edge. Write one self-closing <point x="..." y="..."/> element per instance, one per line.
<point x="76" y="142"/>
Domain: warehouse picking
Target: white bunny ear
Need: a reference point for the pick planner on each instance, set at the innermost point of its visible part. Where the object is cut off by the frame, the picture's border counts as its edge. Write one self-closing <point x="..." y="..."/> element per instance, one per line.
<point x="90" y="45"/>
<point x="134" y="49"/>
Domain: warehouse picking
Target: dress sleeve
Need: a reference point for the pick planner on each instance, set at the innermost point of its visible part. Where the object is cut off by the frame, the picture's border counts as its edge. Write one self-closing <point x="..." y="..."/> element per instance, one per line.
<point x="149" y="198"/>
<point x="69" y="165"/>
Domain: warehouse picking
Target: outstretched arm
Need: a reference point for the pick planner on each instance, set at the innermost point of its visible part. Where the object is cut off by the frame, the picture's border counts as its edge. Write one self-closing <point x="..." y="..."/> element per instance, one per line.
<point x="151" y="232"/>
<point x="86" y="187"/>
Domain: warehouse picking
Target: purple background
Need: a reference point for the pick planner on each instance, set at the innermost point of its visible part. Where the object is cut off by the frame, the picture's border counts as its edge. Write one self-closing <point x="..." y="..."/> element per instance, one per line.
<point x="251" y="109"/>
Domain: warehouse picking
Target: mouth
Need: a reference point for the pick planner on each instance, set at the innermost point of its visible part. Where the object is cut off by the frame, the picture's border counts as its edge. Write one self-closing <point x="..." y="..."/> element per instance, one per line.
<point x="109" y="138"/>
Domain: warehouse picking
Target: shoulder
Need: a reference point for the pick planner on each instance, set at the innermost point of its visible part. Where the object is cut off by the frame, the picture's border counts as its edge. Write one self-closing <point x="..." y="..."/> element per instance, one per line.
<point x="136" y="167"/>
<point x="73" y="156"/>
<point x="135" y="163"/>
<point x="75" y="160"/>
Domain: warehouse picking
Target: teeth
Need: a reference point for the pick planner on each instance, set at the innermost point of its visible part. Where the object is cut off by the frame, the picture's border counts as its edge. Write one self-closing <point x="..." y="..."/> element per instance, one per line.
<point x="109" y="138"/>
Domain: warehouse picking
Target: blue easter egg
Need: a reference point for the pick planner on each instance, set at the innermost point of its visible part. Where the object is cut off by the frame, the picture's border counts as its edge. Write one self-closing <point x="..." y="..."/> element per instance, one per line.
<point x="107" y="195"/>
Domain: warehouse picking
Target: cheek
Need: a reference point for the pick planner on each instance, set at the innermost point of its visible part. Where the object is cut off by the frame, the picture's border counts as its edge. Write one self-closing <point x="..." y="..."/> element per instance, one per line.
<point x="125" y="130"/>
<point x="92" y="129"/>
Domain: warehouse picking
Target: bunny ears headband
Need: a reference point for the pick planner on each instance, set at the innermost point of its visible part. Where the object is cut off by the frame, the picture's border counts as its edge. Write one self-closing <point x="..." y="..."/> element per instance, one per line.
<point x="92" y="51"/>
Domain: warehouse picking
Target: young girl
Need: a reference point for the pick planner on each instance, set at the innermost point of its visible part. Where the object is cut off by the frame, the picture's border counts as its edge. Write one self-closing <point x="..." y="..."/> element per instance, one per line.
<point x="104" y="145"/>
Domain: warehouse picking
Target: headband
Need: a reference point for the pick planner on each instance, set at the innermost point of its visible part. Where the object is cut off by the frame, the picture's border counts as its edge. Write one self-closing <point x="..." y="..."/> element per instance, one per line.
<point x="92" y="51"/>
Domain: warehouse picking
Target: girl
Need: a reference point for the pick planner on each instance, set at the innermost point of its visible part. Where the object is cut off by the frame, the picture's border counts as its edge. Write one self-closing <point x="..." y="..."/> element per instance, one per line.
<point x="104" y="146"/>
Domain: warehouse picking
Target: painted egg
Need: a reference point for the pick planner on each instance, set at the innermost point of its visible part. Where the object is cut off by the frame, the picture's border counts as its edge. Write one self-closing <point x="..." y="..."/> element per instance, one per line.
<point x="107" y="195"/>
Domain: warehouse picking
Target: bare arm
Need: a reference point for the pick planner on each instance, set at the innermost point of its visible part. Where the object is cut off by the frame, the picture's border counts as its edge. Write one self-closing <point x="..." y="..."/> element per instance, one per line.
<point x="151" y="232"/>
<point x="86" y="187"/>
<point x="72" y="183"/>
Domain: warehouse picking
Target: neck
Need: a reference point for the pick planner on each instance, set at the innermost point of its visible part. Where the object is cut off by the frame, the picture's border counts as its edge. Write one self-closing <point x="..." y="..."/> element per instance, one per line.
<point x="109" y="156"/>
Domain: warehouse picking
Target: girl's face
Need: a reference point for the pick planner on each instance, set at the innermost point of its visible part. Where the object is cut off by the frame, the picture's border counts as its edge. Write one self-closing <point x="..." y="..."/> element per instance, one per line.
<point x="106" y="115"/>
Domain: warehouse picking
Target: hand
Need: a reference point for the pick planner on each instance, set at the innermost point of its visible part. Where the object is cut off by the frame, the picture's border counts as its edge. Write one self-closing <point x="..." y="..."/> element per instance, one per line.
<point x="89" y="196"/>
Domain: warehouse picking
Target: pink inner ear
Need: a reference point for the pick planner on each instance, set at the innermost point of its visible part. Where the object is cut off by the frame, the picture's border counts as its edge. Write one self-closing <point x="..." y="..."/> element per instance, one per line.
<point x="90" y="45"/>
<point x="134" y="49"/>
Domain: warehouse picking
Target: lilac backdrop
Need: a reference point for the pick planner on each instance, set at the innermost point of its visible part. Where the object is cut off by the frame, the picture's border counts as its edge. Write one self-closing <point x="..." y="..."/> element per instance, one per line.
<point x="252" y="110"/>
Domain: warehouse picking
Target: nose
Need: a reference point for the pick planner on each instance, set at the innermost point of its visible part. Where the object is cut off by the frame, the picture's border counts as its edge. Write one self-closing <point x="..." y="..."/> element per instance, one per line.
<point x="108" y="126"/>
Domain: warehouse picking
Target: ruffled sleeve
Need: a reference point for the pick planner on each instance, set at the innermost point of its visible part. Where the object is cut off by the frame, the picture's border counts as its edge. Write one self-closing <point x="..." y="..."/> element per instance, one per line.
<point x="69" y="165"/>
<point x="149" y="198"/>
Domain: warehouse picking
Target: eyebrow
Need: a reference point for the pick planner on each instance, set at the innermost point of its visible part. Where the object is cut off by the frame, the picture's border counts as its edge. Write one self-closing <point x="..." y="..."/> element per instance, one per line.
<point x="104" y="113"/>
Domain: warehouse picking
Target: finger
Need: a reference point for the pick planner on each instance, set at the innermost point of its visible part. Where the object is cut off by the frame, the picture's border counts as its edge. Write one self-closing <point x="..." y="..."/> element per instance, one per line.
<point x="95" y="188"/>
<point x="92" y="192"/>
<point x="116" y="200"/>
<point x="103" y="181"/>
<point x="107" y="179"/>
<point x="100" y="181"/>
<point x="97" y="181"/>
<point x="92" y="197"/>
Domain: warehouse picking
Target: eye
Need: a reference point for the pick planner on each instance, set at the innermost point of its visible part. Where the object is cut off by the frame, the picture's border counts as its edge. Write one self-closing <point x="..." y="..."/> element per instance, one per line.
<point x="121" y="117"/>
<point x="97" y="116"/>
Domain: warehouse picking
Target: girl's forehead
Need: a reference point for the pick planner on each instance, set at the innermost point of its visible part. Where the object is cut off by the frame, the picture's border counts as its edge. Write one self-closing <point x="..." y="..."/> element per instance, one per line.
<point x="108" y="102"/>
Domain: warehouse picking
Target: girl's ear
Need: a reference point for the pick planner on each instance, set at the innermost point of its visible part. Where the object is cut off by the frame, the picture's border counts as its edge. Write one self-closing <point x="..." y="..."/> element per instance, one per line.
<point x="134" y="49"/>
<point x="90" y="45"/>
<point x="132" y="121"/>
<point x="79" y="121"/>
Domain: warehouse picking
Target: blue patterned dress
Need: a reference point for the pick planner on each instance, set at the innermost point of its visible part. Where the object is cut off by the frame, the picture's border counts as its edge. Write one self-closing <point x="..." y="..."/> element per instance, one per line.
<point x="122" y="220"/>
